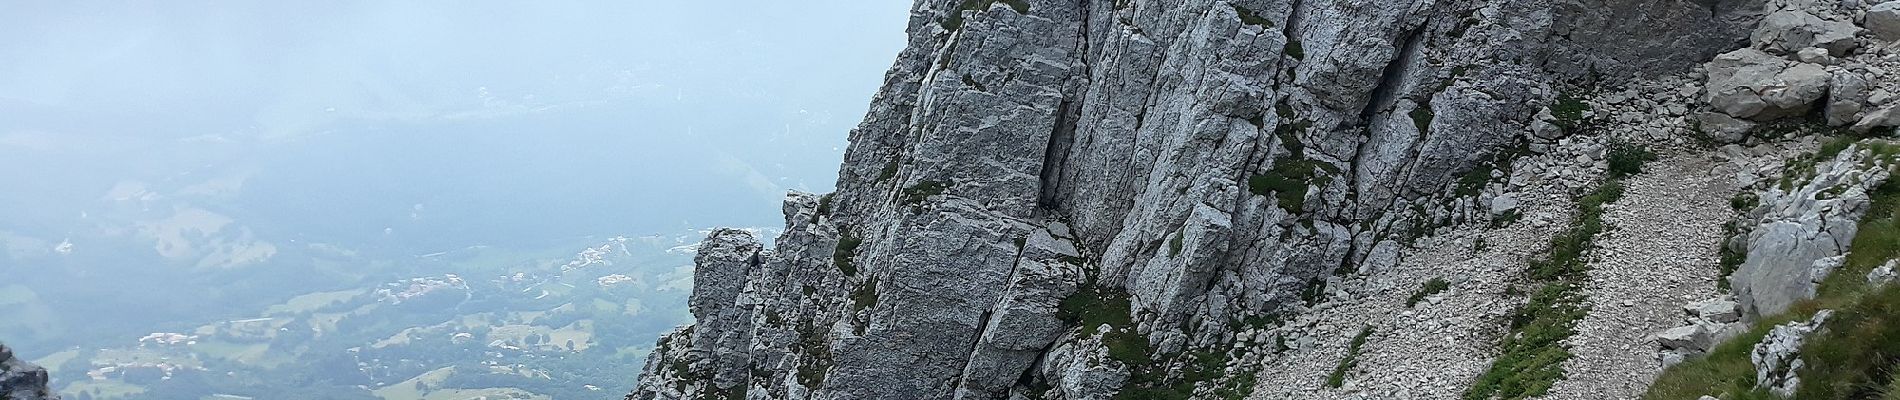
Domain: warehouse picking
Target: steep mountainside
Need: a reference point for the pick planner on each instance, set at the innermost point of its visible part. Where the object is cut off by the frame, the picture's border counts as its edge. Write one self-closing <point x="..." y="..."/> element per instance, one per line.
<point x="20" y="380"/>
<point x="1229" y="199"/>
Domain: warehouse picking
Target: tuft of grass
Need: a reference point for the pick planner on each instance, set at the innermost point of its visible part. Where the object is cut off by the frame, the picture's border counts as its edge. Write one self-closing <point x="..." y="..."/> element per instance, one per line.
<point x="1314" y="291"/>
<point x="1090" y="308"/>
<point x="1567" y="250"/>
<point x="1289" y="181"/>
<point x="1151" y="375"/>
<point x="824" y="208"/>
<point x="865" y="296"/>
<point x="1174" y="245"/>
<point x="890" y="170"/>
<point x="841" y="256"/>
<point x="1532" y="355"/>
<point x="1626" y="159"/>
<point x="814" y="350"/>
<point x="1422" y="117"/>
<point x="1569" y="110"/>
<point x="1744" y="201"/>
<point x="1250" y="17"/>
<point x="1295" y="50"/>
<point x="918" y="193"/>
<point x="954" y="21"/>
<point x="1292" y="174"/>
<point x="1431" y="287"/>
<point x="1473" y="181"/>
<point x="1346" y="364"/>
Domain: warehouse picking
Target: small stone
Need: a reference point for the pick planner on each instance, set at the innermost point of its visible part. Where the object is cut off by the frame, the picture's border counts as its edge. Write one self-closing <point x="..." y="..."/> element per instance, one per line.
<point x="1879" y="97"/>
<point x="1683" y="337"/>
<point x="1814" y="55"/>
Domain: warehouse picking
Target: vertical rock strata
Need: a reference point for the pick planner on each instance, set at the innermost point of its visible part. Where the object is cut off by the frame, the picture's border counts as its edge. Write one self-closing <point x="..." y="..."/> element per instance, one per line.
<point x="1075" y="199"/>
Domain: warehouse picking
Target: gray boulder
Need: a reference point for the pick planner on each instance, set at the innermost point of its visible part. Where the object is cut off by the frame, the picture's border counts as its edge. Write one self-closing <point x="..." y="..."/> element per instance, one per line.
<point x="1777" y="358"/>
<point x="1723" y="128"/>
<point x="1884" y="20"/>
<point x="1790" y="31"/>
<point x="1751" y="84"/>
<point x="1885" y="117"/>
<point x="1685" y="337"/>
<point x="20" y="380"/>
<point x="1845" y="94"/>
<point x="1715" y="310"/>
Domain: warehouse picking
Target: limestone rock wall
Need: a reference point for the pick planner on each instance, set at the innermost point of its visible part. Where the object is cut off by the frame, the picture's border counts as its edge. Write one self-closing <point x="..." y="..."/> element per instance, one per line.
<point x="1195" y="168"/>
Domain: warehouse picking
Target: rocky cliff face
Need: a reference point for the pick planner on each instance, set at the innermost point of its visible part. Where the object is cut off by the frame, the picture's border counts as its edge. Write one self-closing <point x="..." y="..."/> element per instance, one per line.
<point x="1087" y="199"/>
<point x="20" y="380"/>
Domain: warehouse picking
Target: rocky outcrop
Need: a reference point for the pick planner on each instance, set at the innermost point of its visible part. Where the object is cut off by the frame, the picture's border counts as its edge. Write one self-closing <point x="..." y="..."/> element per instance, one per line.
<point x="1709" y="322"/>
<point x="1079" y="199"/>
<point x="1801" y="230"/>
<point x="1752" y="84"/>
<point x="20" y="380"/>
<point x="1777" y="358"/>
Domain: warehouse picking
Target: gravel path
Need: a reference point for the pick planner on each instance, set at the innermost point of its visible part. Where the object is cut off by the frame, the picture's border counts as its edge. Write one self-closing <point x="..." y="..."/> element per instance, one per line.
<point x="1658" y="254"/>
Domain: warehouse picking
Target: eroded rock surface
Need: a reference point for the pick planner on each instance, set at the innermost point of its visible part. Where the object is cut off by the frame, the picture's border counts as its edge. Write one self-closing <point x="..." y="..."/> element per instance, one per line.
<point x="1804" y="224"/>
<point x="20" y="380"/>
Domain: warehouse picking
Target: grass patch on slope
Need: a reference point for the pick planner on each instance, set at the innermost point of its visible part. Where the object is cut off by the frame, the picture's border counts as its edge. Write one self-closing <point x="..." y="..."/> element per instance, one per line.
<point x="1532" y="354"/>
<point x="1346" y="364"/>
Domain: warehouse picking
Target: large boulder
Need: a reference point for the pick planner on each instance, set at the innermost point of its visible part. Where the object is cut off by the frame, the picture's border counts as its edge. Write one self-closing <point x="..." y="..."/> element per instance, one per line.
<point x="1797" y="232"/>
<point x="1845" y="94"/>
<point x="1751" y="84"/>
<point x="1790" y="31"/>
<point x="20" y="380"/>
<point x="1884" y="20"/>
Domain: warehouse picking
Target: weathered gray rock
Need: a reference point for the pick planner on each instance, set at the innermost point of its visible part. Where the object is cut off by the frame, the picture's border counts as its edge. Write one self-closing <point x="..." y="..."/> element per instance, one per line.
<point x="1723" y="128"/>
<point x="1790" y="31"/>
<point x="1845" y="94"/>
<point x="1797" y="232"/>
<point x="20" y="380"/>
<point x="1815" y="55"/>
<point x="1884" y="20"/>
<point x="1777" y="358"/>
<point x="1885" y="117"/>
<point x="1715" y="310"/>
<point x="1710" y="322"/>
<point x="1884" y="274"/>
<point x="1685" y="337"/>
<point x="1750" y="84"/>
<point x="1198" y="163"/>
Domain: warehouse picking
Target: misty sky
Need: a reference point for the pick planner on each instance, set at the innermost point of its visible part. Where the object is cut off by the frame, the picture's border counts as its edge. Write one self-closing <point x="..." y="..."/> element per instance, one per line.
<point x="454" y="122"/>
